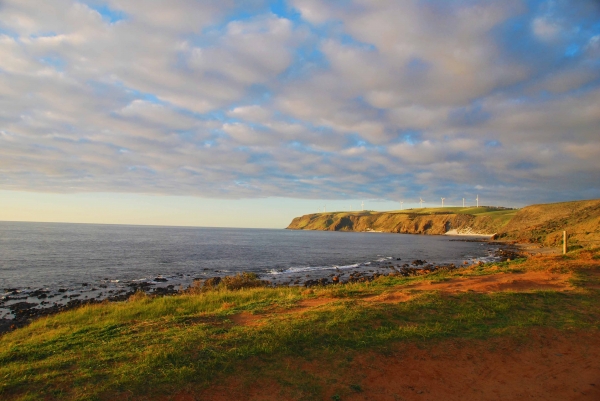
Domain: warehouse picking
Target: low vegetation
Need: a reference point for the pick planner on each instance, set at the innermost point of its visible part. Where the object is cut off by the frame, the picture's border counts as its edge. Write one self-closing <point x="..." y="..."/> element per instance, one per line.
<point x="239" y="329"/>
<point x="236" y="282"/>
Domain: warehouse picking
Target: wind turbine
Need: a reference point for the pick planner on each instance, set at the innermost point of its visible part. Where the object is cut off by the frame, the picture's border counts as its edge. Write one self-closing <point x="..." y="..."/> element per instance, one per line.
<point x="443" y="202"/>
<point x="421" y="202"/>
<point x="362" y="205"/>
<point x="477" y="199"/>
<point x="463" y="202"/>
<point x="401" y="202"/>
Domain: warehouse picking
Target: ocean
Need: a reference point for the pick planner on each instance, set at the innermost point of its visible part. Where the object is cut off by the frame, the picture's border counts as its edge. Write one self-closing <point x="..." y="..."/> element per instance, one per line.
<point x="61" y="260"/>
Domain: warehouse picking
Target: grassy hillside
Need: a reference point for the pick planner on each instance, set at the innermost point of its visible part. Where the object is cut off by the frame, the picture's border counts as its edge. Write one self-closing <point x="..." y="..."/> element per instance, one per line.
<point x="545" y="223"/>
<point x="482" y="220"/>
<point x="183" y="346"/>
<point x="542" y="224"/>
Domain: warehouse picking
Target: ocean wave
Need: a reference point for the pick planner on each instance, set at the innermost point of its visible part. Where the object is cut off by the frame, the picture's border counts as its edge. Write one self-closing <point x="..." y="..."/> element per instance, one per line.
<point x="303" y="269"/>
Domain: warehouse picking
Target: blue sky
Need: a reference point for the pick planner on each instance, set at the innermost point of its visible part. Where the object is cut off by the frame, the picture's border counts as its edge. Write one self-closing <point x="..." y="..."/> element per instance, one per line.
<point x="248" y="113"/>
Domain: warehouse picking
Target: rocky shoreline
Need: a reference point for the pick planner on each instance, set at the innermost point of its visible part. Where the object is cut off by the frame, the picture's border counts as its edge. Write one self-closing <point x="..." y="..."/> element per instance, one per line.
<point x="42" y="302"/>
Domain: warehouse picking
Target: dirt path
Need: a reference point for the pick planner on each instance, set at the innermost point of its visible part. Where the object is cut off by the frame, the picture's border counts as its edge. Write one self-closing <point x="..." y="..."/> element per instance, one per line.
<point x="522" y="282"/>
<point x="528" y="281"/>
<point x="547" y="365"/>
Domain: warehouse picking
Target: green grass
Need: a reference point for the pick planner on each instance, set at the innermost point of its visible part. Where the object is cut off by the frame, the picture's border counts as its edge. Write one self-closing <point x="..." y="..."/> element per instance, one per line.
<point x="432" y="210"/>
<point x="498" y="217"/>
<point x="159" y="345"/>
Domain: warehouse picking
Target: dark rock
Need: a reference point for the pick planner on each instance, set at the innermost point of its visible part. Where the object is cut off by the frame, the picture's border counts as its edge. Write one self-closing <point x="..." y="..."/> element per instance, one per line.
<point x="21" y="306"/>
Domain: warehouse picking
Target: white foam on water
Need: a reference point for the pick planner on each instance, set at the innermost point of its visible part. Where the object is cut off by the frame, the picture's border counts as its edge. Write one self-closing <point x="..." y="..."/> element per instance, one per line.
<point x="303" y="269"/>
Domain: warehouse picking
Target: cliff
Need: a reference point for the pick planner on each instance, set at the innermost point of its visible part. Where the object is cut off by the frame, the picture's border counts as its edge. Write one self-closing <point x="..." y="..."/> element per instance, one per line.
<point x="483" y="221"/>
<point x="542" y="224"/>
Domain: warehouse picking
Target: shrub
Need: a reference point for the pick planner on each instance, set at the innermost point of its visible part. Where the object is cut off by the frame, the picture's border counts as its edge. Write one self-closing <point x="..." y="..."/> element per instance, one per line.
<point x="237" y="282"/>
<point x="243" y="280"/>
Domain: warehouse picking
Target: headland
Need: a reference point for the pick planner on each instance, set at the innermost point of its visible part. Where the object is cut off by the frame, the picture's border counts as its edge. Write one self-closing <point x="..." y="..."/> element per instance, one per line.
<point x="540" y="224"/>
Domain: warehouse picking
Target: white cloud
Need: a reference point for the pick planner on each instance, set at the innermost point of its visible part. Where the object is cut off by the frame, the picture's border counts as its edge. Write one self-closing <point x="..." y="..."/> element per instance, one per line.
<point x="356" y="96"/>
<point x="545" y="29"/>
<point x="253" y="113"/>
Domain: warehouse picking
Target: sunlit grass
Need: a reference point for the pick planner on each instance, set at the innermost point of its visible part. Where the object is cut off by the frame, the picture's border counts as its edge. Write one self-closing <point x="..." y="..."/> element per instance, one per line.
<point x="158" y="345"/>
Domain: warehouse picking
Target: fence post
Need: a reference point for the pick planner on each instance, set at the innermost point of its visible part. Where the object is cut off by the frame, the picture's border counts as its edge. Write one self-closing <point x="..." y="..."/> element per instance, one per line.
<point x="564" y="242"/>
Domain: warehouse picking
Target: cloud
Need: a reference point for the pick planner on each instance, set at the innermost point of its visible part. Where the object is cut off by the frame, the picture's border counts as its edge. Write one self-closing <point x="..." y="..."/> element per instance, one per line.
<point x="338" y="99"/>
<point x="252" y="113"/>
<point x="545" y="29"/>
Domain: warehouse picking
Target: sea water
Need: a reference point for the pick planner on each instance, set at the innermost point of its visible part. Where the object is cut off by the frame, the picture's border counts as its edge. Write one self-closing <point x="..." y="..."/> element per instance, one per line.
<point x="80" y="257"/>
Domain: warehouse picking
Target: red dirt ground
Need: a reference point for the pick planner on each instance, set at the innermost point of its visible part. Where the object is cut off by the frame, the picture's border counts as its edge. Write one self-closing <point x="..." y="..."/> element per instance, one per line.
<point x="528" y="281"/>
<point x="548" y="365"/>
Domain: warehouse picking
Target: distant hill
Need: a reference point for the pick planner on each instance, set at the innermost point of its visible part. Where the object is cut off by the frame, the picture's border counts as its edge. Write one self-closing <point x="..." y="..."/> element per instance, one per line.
<point x="536" y="223"/>
<point x="545" y="223"/>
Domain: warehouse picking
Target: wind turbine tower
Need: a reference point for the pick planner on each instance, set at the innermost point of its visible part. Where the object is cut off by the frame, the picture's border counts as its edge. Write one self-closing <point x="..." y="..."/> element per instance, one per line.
<point x="362" y="206"/>
<point x="401" y="202"/>
<point x="421" y="202"/>
<point x="443" y="202"/>
<point x="477" y="199"/>
<point x="463" y="202"/>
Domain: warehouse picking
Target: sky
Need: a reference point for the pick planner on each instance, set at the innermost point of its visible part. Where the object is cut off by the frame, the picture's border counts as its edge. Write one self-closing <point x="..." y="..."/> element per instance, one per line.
<point x="249" y="113"/>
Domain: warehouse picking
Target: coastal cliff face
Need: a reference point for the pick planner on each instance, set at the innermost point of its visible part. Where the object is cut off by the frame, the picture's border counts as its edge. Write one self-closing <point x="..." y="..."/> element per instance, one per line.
<point x="542" y="224"/>
<point x="398" y="222"/>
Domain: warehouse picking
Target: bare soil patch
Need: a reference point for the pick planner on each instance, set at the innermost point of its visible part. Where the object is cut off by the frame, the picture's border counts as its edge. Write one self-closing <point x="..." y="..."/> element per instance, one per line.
<point x="528" y="281"/>
<point x="545" y="365"/>
<point x="390" y="298"/>
<point x="311" y="303"/>
<point x="549" y="366"/>
<point x="245" y="319"/>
